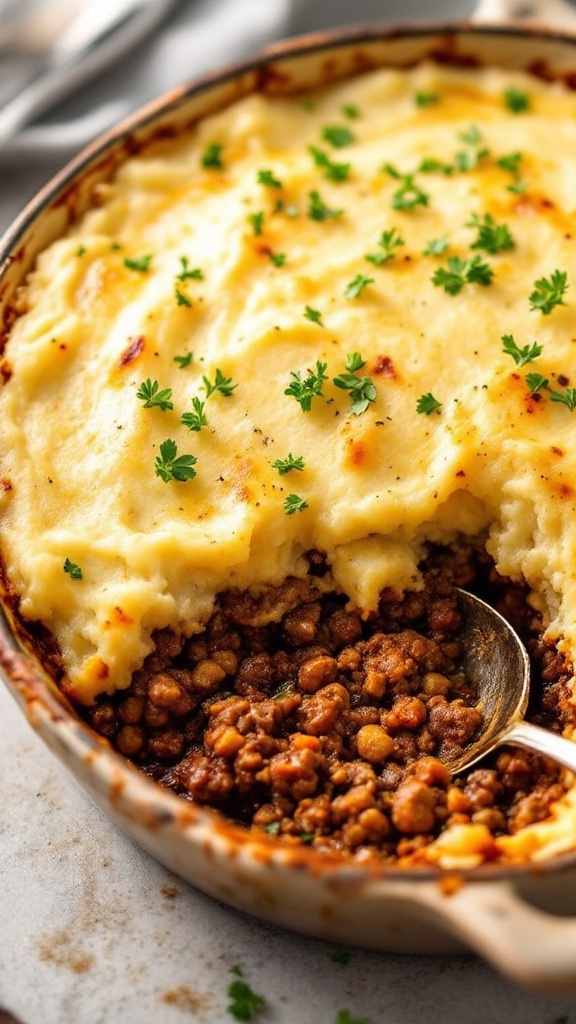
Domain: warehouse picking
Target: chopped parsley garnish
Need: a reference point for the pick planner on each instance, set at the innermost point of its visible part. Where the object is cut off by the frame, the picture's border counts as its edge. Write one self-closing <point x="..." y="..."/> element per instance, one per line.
<point x="536" y="382"/>
<point x="317" y="208"/>
<point x="141" y="263"/>
<point x="468" y="159"/>
<point x="189" y="273"/>
<point x="212" y="156"/>
<point x="332" y="171"/>
<point x="354" y="361"/>
<point x="80" y="250"/>
<point x="74" y="571"/>
<point x="471" y="136"/>
<point x="389" y="240"/>
<point x="278" y="258"/>
<point x="429" y="164"/>
<point x="314" y="315"/>
<point x="521" y="356"/>
<point x="516" y="100"/>
<point x="267" y="177"/>
<point x="337" y="135"/>
<point x="197" y="419"/>
<point x="357" y="286"/>
<point x="181" y="298"/>
<point x="409" y="195"/>
<point x="362" y="390"/>
<point x="460" y="272"/>
<point x="305" y="390"/>
<point x="436" y="247"/>
<point x="221" y="383"/>
<point x="567" y="397"/>
<point x="149" y="393"/>
<point x="171" y="466"/>
<point x="345" y="1017"/>
<point x="245" y="1003"/>
<point x="427" y="404"/>
<point x="492" y="237"/>
<point x="289" y="463"/>
<point x="424" y="98"/>
<point x="510" y="162"/>
<point x="294" y="503"/>
<point x="549" y="292"/>
<point x="185" y="360"/>
<point x="351" y="111"/>
<point x="257" y="221"/>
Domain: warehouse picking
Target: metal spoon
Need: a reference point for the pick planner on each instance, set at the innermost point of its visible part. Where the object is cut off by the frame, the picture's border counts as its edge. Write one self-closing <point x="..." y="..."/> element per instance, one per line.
<point x="496" y="663"/>
<point x="98" y="35"/>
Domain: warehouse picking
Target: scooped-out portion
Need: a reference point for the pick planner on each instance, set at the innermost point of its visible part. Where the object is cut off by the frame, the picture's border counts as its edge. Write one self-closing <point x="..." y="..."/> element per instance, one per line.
<point x="282" y="362"/>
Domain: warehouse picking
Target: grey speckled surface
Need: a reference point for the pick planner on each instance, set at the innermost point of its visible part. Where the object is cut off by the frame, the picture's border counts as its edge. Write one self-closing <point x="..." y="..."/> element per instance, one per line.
<point x="92" y="931"/>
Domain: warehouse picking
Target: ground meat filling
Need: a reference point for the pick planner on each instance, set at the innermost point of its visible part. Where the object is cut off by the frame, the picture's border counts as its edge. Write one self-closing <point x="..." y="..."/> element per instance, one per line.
<point x="292" y="715"/>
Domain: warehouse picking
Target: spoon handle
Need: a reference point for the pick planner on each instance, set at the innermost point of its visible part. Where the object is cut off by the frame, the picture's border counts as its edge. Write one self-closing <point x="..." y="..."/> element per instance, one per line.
<point x="532" y="737"/>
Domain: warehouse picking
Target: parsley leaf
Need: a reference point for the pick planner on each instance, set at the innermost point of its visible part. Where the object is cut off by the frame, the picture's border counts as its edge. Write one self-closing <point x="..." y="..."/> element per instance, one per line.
<point x="317" y="208"/>
<point x="536" y="382"/>
<point x="74" y="571"/>
<point x="351" y="111"/>
<point x="256" y="220"/>
<point x="549" y="292"/>
<point x="197" y="419"/>
<point x="427" y="404"/>
<point x="362" y="390"/>
<point x="221" y="383"/>
<point x="278" y="258"/>
<point x="521" y="356"/>
<point x="389" y="240"/>
<point x="357" y="286"/>
<point x="492" y="237"/>
<point x="267" y="177"/>
<point x="345" y="1017"/>
<point x="171" y="466"/>
<point x="332" y="171"/>
<point x="337" y="135"/>
<point x="181" y="298"/>
<point x="409" y="195"/>
<point x="188" y="273"/>
<point x="461" y="272"/>
<point x="567" y="397"/>
<point x="510" y="162"/>
<point x="436" y="247"/>
<point x="185" y="360"/>
<point x="516" y="100"/>
<point x="212" y="156"/>
<point x="314" y="315"/>
<point x="305" y="390"/>
<point x="245" y="1003"/>
<point x="471" y="136"/>
<point x="424" y="98"/>
<point x="354" y="361"/>
<point x="149" y="393"/>
<point x="290" y="462"/>
<point x="294" y="503"/>
<point x="141" y="263"/>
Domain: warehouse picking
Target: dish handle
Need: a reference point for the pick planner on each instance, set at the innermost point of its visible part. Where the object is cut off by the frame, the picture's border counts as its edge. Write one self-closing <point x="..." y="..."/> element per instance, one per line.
<point x="533" y="946"/>
<point x="551" y="14"/>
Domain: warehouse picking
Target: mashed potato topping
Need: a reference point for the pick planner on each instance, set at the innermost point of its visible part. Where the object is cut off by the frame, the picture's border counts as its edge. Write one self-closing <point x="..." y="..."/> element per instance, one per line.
<point x="344" y="323"/>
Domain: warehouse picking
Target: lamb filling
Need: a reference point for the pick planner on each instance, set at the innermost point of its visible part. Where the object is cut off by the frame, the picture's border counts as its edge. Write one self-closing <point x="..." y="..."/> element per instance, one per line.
<point x="294" y="716"/>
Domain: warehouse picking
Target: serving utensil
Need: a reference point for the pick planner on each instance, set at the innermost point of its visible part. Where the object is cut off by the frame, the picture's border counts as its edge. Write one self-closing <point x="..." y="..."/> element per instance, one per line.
<point x="496" y="663"/>
<point x="92" y="39"/>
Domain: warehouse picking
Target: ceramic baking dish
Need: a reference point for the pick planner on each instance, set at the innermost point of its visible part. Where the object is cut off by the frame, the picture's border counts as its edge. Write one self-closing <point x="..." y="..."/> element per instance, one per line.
<point x="520" y="919"/>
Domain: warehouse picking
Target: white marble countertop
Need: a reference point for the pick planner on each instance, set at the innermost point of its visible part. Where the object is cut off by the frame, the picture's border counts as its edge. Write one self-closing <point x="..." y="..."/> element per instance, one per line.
<point x="92" y="930"/>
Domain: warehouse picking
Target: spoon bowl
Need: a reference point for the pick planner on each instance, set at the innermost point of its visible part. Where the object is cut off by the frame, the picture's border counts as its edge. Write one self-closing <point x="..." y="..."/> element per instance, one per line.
<point x="496" y="663"/>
